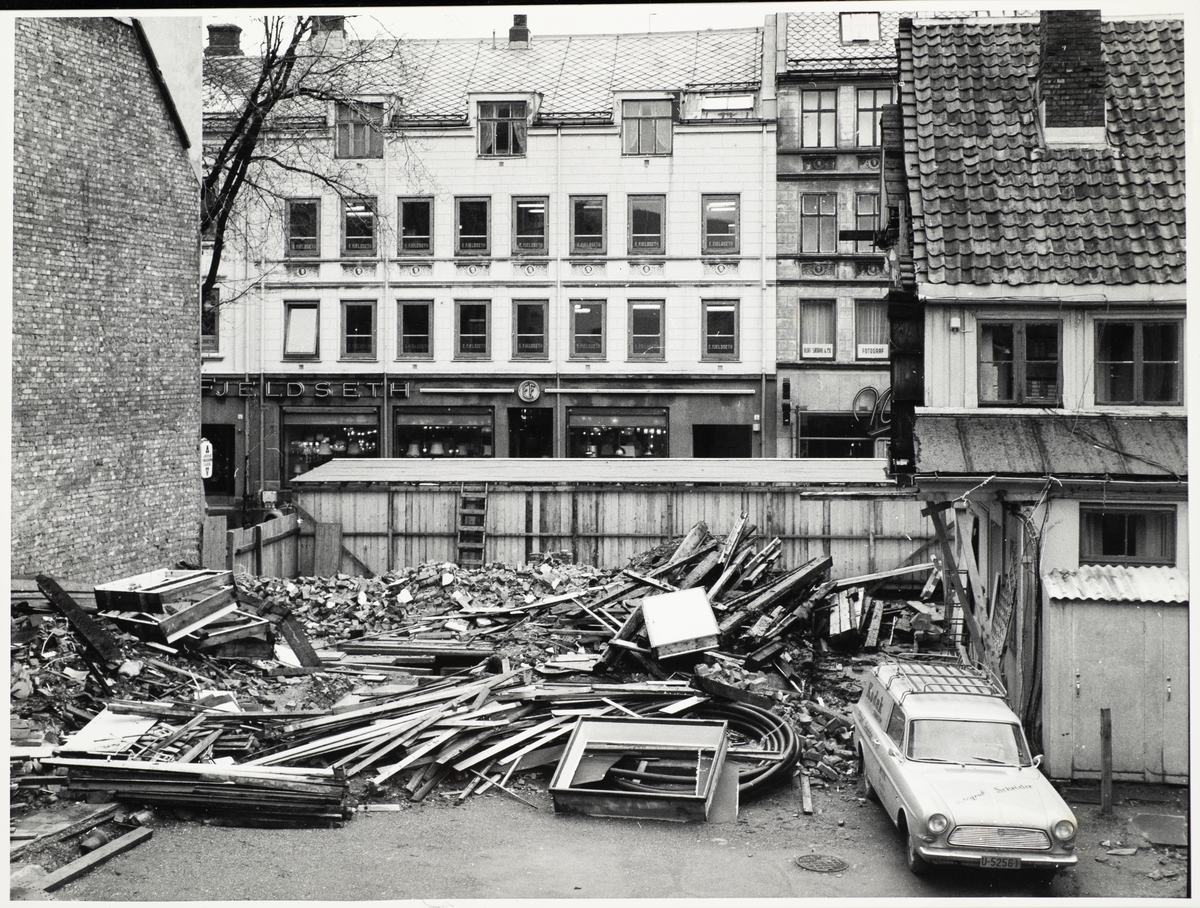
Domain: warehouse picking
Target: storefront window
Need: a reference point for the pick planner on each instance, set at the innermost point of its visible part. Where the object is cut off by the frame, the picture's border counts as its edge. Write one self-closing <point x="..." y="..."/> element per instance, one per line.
<point x="444" y="432"/>
<point x="616" y="432"/>
<point x="313" y="438"/>
<point x="834" y="435"/>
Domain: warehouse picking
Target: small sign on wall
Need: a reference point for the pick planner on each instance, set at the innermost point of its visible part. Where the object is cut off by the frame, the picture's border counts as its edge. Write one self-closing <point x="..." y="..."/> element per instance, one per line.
<point x="206" y="458"/>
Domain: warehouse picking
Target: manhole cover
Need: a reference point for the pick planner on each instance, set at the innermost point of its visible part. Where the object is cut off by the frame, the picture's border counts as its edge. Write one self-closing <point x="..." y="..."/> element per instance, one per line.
<point x="821" y="863"/>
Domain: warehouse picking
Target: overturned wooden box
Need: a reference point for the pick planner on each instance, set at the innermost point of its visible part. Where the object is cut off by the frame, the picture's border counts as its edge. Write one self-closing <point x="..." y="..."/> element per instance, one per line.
<point x="680" y="623"/>
<point x="150" y="591"/>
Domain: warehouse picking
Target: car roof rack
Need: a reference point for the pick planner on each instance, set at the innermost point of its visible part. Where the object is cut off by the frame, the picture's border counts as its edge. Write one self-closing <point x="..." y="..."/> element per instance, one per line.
<point x="930" y="674"/>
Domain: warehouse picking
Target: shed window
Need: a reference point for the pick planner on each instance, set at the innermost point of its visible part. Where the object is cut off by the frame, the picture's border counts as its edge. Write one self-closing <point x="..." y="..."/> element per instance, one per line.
<point x="1109" y="535"/>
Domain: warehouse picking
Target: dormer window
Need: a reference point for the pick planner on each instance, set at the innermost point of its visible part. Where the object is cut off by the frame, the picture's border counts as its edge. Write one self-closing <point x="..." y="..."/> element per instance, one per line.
<point x="646" y="127"/>
<point x="359" y="130"/>
<point x="860" y="28"/>
<point x="503" y="128"/>
<point x="727" y="107"/>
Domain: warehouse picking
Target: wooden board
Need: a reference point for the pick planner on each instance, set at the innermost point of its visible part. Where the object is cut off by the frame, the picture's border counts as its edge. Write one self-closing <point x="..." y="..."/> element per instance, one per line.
<point x="327" y="549"/>
<point x="212" y="546"/>
<point x="96" y="635"/>
<point x="78" y="868"/>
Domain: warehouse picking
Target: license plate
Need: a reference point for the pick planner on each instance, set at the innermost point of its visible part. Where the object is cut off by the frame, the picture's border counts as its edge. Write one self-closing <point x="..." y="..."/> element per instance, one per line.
<point x="998" y="863"/>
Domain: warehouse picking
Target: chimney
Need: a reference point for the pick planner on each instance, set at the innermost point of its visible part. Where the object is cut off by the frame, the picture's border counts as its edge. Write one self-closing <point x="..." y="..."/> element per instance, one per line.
<point x="329" y="34"/>
<point x="518" y="35"/>
<point x="224" y="41"/>
<point x="1071" y="78"/>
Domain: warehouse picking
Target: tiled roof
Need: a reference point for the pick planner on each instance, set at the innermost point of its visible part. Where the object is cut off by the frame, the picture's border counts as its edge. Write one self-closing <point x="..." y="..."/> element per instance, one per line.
<point x="1117" y="583"/>
<point x="992" y="205"/>
<point x="575" y="76"/>
<point x="816" y="38"/>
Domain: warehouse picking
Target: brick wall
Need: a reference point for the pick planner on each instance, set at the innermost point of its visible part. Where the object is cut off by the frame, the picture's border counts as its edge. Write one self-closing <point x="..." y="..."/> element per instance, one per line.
<point x="1072" y="68"/>
<point x="106" y="415"/>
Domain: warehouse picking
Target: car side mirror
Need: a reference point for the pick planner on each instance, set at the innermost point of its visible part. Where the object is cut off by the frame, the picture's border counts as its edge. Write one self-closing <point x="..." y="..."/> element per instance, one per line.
<point x="1037" y="761"/>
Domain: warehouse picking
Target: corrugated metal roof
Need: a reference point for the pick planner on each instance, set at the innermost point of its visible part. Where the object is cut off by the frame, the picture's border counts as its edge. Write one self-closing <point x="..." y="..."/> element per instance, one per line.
<point x="1062" y="444"/>
<point x="615" y="471"/>
<point x="1118" y="583"/>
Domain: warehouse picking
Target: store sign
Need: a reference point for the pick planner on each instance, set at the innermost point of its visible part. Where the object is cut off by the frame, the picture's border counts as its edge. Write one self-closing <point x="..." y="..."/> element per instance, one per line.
<point x="283" y="388"/>
<point x="206" y="459"/>
<point x="529" y="391"/>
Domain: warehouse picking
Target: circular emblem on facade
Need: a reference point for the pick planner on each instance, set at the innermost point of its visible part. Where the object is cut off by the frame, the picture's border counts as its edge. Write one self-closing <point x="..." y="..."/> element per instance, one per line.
<point x="587" y="269"/>
<point x="646" y="269"/>
<point x="529" y="391"/>
<point x="414" y="270"/>
<point x="358" y="271"/>
<point x="719" y="268"/>
<point x="530" y="270"/>
<point x="302" y="271"/>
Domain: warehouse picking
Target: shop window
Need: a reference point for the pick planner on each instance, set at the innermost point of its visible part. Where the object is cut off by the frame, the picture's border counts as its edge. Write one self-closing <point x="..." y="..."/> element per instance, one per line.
<point x="833" y="435"/>
<point x="818" y="222"/>
<point x="722" y="440"/>
<point x="303" y="227"/>
<point x="222" y="438"/>
<point x="530" y="432"/>
<point x="502" y="128"/>
<point x="587" y="329"/>
<point x="471" y="329"/>
<point x="866" y="217"/>
<point x="871" y="329"/>
<point x="858" y="28"/>
<point x="616" y="432"/>
<point x="529" y="225"/>
<point x="529" y="329"/>
<point x="720" y="321"/>
<point x="314" y="437"/>
<point x="647" y="216"/>
<point x="472" y="229"/>
<point x="416" y="329"/>
<point x="818" y="118"/>
<point x="359" y="130"/>
<point x="1139" y="362"/>
<point x="210" y="322"/>
<point x="416" y="226"/>
<point x="1019" y="363"/>
<point x="721" y="224"/>
<point x="444" y="432"/>
<point x="358" y="329"/>
<point x="646" y="329"/>
<point x="646" y="127"/>
<point x="358" y="226"/>
<point x="869" y="104"/>
<point x="588" y="221"/>
<point x="301" y="330"/>
<point x="818" y="329"/>
<point x="1117" y="535"/>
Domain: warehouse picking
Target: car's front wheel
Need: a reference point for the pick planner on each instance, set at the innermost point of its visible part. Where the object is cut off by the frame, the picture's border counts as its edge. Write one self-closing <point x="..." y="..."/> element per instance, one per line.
<point x="912" y="857"/>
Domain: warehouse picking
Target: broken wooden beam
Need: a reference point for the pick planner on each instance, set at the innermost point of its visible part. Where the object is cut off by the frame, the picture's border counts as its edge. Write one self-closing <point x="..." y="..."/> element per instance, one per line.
<point x="97" y="637"/>
<point x="78" y="868"/>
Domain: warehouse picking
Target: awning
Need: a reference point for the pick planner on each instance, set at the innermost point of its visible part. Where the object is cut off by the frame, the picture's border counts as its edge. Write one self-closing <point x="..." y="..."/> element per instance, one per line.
<point x="330" y="416"/>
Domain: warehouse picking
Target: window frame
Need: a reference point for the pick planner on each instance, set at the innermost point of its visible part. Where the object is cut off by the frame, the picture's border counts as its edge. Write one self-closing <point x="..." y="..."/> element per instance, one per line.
<point x="1020" y="363"/>
<point x="577" y="200"/>
<point x="458" y="234"/>
<point x="706" y="238"/>
<point x="573" y="350"/>
<point x="629" y="121"/>
<point x="401" y="201"/>
<point x="652" y="356"/>
<point x="859" y="110"/>
<point x="517" y="354"/>
<point x="706" y="305"/>
<point x="544" y="248"/>
<point x="631" y="201"/>
<point x="831" y="306"/>
<point x="516" y="125"/>
<point x="826" y="122"/>
<point x="369" y="356"/>
<point x="1167" y="514"/>
<point x="459" y="354"/>
<point x="373" y="205"/>
<point x="346" y="117"/>
<point x="291" y="306"/>
<point x="868" y="220"/>
<point x="289" y="250"/>
<point x="1139" y="363"/>
<point x="822" y="220"/>
<point x="859" y="305"/>
<point x="210" y="321"/>
<point x="401" y="353"/>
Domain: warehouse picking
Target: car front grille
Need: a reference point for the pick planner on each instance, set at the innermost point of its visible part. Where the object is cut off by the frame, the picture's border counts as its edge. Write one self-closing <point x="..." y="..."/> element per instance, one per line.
<point x="999" y="837"/>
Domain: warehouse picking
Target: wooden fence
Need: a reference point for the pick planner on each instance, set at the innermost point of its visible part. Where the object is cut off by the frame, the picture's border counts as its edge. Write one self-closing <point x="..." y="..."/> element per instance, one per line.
<point x="269" y="549"/>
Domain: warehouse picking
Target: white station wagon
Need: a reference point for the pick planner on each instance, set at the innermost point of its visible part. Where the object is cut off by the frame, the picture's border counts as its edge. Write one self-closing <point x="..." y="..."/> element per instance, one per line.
<point x="946" y="757"/>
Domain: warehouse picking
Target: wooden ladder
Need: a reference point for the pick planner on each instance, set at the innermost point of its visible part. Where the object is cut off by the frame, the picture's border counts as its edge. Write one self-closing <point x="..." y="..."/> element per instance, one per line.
<point x="472" y="523"/>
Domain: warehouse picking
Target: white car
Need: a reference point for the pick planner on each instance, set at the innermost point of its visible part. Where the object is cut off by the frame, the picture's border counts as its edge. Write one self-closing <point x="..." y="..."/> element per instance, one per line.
<point x="946" y="757"/>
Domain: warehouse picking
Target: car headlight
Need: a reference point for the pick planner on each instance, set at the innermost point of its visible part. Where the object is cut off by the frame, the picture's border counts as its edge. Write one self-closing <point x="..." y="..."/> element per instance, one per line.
<point x="937" y="824"/>
<point x="1064" y="830"/>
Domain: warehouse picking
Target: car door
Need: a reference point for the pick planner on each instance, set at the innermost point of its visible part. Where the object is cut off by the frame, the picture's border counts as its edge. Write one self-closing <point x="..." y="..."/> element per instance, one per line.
<point x="889" y="748"/>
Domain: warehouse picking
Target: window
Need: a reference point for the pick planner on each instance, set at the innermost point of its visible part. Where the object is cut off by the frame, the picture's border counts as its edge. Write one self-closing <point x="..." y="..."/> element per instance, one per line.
<point x="869" y="104"/>
<point x="616" y="432"/>
<point x="1110" y="535"/>
<point x="502" y="128"/>
<point x="209" y="322"/>
<point x="359" y="130"/>
<point x="1019" y="363"/>
<point x="472" y="229"/>
<point x="721" y="224"/>
<point x="871" y="329"/>
<point x="833" y="435"/>
<point x="858" y="27"/>
<point x="647" y="214"/>
<point x="444" y="431"/>
<point x="303" y="227"/>
<point x="866" y="217"/>
<point x="818" y="118"/>
<point x="472" y="334"/>
<point x="416" y="226"/>
<point x="301" y="333"/>
<point x="529" y="225"/>
<point x="895" y="728"/>
<point x="818" y="329"/>
<point x="358" y="226"/>
<point x="727" y="107"/>
<point x="314" y="437"/>
<point x="646" y="127"/>
<point x="1139" y="362"/>
<point x="818" y="222"/>
<point x="358" y="329"/>
<point x="587" y="329"/>
<point x="416" y="329"/>
<point x="529" y="329"/>
<point x="720" y="330"/>
<point x="588" y="216"/>
<point x="646" y="329"/>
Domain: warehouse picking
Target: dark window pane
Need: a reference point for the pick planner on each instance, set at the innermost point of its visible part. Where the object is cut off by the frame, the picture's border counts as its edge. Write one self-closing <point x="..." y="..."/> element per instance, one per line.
<point x="360" y="330"/>
<point x="414" y="329"/>
<point x="473" y="225"/>
<point x="416" y="223"/>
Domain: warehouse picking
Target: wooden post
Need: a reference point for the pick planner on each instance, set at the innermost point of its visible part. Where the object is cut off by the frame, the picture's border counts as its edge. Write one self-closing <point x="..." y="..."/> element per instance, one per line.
<point x="212" y="551"/>
<point x="1106" y="764"/>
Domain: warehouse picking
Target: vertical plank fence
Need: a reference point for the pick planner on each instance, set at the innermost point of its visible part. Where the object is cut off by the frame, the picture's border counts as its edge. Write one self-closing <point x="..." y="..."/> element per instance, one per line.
<point x="269" y="549"/>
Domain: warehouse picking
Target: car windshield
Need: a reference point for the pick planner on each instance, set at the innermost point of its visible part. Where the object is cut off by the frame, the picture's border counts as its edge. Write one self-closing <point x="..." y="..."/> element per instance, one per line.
<point x="953" y="741"/>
